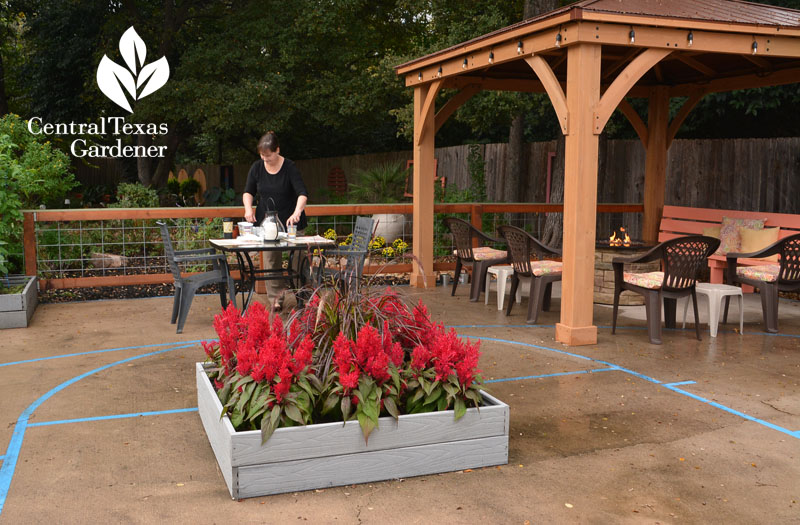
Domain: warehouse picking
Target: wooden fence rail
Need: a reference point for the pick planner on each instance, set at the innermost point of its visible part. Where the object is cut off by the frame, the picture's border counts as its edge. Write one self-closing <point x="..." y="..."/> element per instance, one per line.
<point x="475" y="211"/>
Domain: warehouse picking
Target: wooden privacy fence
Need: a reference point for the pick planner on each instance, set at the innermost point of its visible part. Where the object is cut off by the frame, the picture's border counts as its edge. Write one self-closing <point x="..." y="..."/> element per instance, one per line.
<point x="55" y="219"/>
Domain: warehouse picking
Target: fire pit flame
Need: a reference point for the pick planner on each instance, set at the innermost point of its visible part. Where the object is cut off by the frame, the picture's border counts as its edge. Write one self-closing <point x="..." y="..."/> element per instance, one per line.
<point x="619" y="241"/>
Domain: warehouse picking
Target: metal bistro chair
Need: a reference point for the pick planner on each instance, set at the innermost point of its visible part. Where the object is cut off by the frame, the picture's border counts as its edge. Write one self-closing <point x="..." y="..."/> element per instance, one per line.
<point x="350" y="259"/>
<point x="542" y="273"/>
<point x="681" y="261"/>
<point x="480" y="258"/>
<point x="187" y="285"/>
<point x="769" y="278"/>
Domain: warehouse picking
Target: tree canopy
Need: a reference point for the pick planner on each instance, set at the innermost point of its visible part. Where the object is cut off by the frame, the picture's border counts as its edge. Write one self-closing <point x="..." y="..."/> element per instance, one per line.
<point x="318" y="72"/>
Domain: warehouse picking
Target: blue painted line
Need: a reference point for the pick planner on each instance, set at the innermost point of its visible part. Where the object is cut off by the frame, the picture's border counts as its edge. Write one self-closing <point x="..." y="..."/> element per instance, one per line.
<point x="628" y="371"/>
<point x="794" y="434"/>
<point x="115" y="416"/>
<point x="532" y="346"/>
<point x="670" y="386"/>
<point x="679" y="383"/>
<point x="12" y="454"/>
<point x="503" y="380"/>
<point x="105" y="351"/>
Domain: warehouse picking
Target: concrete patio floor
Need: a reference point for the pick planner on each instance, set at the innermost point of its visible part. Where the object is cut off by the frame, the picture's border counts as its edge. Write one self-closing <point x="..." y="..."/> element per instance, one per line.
<point x="620" y="432"/>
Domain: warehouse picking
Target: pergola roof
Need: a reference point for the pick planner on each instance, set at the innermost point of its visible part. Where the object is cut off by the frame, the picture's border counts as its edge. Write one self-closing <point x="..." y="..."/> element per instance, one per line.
<point x="719" y="58"/>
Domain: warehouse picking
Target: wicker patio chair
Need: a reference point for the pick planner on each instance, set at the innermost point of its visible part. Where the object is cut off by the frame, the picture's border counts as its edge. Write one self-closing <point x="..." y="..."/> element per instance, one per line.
<point x="479" y="259"/>
<point x="187" y="285"/>
<point x="681" y="261"/>
<point x="769" y="278"/>
<point x="541" y="273"/>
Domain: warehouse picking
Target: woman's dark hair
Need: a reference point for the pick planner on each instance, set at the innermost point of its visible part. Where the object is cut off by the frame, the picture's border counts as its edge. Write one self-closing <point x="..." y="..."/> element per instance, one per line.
<point x="269" y="142"/>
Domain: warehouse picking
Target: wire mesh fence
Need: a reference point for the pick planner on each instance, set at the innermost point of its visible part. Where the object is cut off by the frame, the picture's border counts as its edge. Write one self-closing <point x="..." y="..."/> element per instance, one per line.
<point x="76" y="244"/>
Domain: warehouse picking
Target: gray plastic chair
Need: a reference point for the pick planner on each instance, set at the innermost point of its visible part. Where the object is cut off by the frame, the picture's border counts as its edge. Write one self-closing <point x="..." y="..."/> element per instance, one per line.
<point x="187" y="285"/>
<point x="348" y="275"/>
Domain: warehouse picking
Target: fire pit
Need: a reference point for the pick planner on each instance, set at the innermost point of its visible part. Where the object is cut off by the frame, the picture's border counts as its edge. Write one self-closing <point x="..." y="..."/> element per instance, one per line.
<point x="618" y="245"/>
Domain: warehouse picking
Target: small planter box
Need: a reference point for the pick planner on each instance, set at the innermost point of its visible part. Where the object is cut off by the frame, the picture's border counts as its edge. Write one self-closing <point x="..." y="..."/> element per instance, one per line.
<point x="16" y="309"/>
<point x="334" y="454"/>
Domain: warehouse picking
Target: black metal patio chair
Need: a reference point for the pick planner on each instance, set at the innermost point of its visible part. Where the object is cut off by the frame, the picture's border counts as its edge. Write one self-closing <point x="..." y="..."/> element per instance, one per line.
<point x="186" y="285"/>
<point x="344" y="265"/>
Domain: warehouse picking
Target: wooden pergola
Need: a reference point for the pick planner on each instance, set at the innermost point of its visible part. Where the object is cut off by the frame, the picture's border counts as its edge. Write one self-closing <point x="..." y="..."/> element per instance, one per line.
<point x="588" y="57"/>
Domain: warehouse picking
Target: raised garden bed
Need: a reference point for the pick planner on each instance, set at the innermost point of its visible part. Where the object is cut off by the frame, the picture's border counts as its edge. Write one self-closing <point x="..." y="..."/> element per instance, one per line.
<point x="334" y="454"/>
<point x="16" y="309"/>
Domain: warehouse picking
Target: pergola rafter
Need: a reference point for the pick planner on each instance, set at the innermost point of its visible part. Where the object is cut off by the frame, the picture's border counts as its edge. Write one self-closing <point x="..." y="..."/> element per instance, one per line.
<point x="588" y="57"/>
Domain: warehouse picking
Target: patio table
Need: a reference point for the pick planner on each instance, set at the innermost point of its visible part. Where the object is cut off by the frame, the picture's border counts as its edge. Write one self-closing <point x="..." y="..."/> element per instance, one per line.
<point x="297" y="247"/>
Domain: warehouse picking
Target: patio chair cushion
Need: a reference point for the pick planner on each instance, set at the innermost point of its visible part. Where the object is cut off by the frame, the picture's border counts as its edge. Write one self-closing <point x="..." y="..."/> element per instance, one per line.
<point x="767" y="273"/>
<point x="651" y="280"/>
<point x="755" y="240"/>
<point x="540" y="268"/>
<point x="730" y="239"/>
<point x="484" y="253"/>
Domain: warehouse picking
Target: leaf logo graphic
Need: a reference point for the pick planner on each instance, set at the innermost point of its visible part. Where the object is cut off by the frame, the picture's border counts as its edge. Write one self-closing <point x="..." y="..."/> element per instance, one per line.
<point x="139" y="80"/>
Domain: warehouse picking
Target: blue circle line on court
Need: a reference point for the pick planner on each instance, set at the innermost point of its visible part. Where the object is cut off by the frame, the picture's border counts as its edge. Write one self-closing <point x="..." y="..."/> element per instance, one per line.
<point x="15" y="445"/>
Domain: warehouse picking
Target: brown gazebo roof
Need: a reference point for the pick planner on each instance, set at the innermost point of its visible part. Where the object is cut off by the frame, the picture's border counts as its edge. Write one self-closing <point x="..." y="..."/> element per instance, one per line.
<point x="657" y="23"/>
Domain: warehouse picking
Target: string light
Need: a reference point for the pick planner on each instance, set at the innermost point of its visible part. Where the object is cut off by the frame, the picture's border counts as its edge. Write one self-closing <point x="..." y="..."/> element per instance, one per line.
<point x="519" y="47"/>
<point x="491" y="57"/>
<point x="419" y="76"/>
<point x="755" y="47"/>
<point x="632" y="34"/>
<point x="439" y="72"/>
<point x="690" y="38"/>
<point x="464" y="64"/>
<point x="558" y="39"/>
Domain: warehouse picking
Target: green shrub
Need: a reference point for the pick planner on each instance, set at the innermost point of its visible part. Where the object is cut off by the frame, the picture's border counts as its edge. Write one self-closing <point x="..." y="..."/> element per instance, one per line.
<point x="32" y="172"/>
<point x="135" y="196"/>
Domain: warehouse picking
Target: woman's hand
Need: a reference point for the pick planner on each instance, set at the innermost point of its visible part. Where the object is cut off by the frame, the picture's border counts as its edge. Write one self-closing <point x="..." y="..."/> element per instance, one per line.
<point x="293" y="219"/>
<point x="250" y="215"/>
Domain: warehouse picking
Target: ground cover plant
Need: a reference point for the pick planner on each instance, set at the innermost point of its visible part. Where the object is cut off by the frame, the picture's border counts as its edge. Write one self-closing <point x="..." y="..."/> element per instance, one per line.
<point x="353" y="354"/>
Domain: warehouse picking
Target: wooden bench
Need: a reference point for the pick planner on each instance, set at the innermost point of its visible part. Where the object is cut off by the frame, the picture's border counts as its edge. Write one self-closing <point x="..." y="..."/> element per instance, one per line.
<point x="681" y="220"/>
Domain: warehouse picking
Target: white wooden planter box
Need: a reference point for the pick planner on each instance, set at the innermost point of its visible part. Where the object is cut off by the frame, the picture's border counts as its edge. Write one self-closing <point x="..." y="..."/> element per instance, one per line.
<point x="16" y="309"/>
<point x="333" y="454"/>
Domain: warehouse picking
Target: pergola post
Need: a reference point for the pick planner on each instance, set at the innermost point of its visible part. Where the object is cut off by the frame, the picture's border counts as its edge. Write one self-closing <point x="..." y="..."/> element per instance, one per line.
<point x="424" y="132"/>
<point x="580" y="197"/>
<point x="655" y="175"/>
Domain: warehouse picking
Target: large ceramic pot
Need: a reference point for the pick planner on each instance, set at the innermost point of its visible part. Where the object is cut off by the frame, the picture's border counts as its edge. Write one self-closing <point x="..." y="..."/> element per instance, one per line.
<point x="390" y="226"/>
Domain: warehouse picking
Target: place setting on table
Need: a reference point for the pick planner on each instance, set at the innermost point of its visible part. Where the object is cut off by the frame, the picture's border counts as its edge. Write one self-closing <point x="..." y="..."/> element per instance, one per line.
<point x="270" y="236"/>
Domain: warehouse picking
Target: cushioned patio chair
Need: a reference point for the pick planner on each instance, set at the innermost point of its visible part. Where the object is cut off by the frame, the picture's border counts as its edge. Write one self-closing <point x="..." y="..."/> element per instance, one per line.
<point x="187" y="285"/>
<point x="682" y="259"/>
<point x="350" y="259"/>
<point x="479" y="259"/>
<point x="541" y="273"/>
<point x="783" y="276"/>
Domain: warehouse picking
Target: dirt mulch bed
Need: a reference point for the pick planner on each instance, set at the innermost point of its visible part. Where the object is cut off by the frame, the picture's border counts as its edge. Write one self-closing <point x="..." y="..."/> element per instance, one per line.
<point x="67" y="295"/>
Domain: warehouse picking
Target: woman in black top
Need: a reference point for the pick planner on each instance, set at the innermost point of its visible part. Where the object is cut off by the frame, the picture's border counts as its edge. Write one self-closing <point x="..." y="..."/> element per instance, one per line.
<point x="275" y="178"/>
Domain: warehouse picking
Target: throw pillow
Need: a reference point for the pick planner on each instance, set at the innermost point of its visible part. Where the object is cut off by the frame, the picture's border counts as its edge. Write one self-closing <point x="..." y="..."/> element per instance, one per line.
<point x="713" y="231"/>
<point x="730" y="240"/>
<point x="755" y="240"/>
